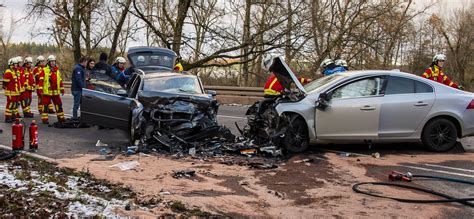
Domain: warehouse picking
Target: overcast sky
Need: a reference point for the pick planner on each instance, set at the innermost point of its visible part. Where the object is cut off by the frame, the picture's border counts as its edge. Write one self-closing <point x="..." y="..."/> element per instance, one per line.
<point x="26" y="31"/>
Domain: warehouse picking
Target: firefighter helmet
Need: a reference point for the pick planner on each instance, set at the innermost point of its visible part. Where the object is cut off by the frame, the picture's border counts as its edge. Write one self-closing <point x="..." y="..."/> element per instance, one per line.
<point x="19" y="59"/>
<point x="51" y="58"/>
<point x="28" y="60"/>
<point x="439" y="57"/>
<point x="10" y="61"/>
<point x="326" y="62"/>
<point x="120" y="60"/>
<point x="341" y="62"/>
<point x="40" y="59"/>
<point x="14" y="60"/>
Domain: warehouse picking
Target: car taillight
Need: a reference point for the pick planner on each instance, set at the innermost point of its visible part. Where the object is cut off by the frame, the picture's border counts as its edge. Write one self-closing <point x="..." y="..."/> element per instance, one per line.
<point x="471" y="105"/>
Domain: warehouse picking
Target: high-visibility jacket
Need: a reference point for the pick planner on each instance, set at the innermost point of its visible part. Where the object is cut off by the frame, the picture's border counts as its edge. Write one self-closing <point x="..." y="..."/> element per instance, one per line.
<point x="273" y="87"/>
<point x="178" y="67"/>
<point x="36" y="72"/>
<point x="19" y="74"/>
<point x="436" y="74"/>
<point x="11" y="83"/>
<point x="27" y="79"/>
<point x="51" y="81"/>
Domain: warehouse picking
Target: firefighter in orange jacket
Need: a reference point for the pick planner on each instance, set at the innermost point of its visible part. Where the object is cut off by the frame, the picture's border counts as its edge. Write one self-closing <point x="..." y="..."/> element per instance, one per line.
<point x="273" y="87"/>
<point x="11" y="85"/>
<point x="28" y="87"/>
<point x="435" y="72"/>
<point x="40" y="64"/>
<point x="51" y="85"/>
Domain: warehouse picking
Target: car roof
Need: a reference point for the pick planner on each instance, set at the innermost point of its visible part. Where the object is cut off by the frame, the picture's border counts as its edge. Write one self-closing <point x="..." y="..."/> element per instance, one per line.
<point x="139" y="49"/>
<point x="166" y="74"/>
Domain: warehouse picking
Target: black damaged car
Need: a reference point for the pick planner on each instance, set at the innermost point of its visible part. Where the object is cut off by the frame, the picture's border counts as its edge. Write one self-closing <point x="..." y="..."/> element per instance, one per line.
<point x="155" y="108"/>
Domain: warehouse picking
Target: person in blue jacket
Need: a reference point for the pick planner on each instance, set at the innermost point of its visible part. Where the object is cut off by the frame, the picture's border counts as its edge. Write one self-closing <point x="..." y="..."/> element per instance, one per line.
<point x="118" y="71"/>
<point x="78" y="82"/>
<point x="329" y="67"/>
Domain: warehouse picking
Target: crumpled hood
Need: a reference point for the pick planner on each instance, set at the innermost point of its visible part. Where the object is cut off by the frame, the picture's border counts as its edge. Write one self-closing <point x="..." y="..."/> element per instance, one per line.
<point x="284" y="74"/>
<point x="153" y="98"/>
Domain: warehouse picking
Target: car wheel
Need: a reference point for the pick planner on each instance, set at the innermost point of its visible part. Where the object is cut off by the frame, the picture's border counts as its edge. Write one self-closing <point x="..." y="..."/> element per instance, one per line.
<point x="440" y="135"/>
<point x="296" y="138"/>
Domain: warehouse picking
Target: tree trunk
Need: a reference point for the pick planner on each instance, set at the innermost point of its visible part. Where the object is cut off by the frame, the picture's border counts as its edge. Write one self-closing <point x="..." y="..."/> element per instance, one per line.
<point x="245" y="40"/>
<point x="76" y="29"/>
<point x="118" y="30"/>
<point x="183" y="7"/>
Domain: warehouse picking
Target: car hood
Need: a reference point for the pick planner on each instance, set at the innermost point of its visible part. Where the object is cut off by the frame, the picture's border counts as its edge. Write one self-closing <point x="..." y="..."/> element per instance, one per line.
<point x="284" y="74"/>
<point x="151" y="98"/>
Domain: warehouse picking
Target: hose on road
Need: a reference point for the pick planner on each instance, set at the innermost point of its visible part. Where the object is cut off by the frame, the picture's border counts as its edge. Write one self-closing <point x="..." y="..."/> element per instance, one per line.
<point x="447" y="198"/>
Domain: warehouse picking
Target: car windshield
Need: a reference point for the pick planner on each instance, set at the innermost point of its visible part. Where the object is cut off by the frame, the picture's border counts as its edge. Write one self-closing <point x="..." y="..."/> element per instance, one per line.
<point x="157" y="59"/>
<point x="322" y="82"/>
<point x="174" y="84"/>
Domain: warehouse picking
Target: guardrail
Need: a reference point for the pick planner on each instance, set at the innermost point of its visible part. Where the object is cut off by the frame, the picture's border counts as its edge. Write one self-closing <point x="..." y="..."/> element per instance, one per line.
<point x="225" y="94"/>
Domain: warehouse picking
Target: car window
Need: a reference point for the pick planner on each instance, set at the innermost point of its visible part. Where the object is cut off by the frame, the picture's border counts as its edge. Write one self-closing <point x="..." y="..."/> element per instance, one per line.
<point x="157" y="59"/>
<point x="103" y="83"/>
<point x="399" y="85"/>
<point x="361" y="88"/>
<point x="174" y="84"/>
<point x="421" y="87"/>
<point x="321" y="82"/>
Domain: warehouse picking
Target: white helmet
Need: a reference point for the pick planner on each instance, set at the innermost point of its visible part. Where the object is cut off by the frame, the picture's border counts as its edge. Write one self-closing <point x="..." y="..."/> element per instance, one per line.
<point x="140" y="58"/>
<point x="19" y="59"/>
<point x="341" y="62"/>
<point x="51" y="58"/>
<point x="10" y="61"/>
<point x="28" y="60"/>
<point x="14" y="60"/>
<point x="120" y="60"/>
<point x="439" y="57"/>
<point x="326" y="62"/>
<point x="267" y="62"/>
<point x="40" y="59"/>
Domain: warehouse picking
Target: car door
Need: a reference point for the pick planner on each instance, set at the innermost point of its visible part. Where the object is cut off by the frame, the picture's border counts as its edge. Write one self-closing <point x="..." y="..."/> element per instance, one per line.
<point x="405" y="104"/>
<point x="106" y="109"/>
<point x="353" y="111"/>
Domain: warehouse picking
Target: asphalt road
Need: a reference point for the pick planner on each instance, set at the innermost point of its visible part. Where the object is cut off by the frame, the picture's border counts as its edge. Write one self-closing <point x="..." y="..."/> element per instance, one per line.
<point x="60" y="143"/>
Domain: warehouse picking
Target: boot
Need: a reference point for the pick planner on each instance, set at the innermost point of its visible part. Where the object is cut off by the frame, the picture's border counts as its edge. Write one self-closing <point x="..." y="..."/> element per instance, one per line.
<point x="28" y="115"/>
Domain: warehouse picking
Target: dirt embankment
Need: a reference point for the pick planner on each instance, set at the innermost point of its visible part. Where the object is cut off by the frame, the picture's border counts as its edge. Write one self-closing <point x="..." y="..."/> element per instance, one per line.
<point x="319" y="186"/>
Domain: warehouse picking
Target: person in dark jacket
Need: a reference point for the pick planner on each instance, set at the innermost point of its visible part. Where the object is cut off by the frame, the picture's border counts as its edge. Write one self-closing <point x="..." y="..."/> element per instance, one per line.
<point x="102" y="67"/>
<point x="78" y="82"/>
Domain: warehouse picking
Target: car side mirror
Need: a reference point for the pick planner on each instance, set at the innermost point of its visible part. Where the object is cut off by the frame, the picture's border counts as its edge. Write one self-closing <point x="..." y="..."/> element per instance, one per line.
<point x="122" y="92"/>
<point x="212" y="93"/>
<point x="322" y="102"/>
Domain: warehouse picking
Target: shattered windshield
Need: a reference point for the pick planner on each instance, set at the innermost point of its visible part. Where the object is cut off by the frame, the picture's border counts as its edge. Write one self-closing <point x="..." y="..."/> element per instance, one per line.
<point x="322" y="82"/>
<point x="173" y="84"/>
<point x="156" y="59"/>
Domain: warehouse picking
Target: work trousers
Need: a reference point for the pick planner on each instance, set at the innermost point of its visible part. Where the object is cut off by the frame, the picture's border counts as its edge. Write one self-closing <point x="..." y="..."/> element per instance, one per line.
<point x="58" y="105"/>
<point x="11" y="110"/>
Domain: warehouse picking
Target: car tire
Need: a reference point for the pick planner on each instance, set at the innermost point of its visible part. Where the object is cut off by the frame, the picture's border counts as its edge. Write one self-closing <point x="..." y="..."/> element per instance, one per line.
<point x="296" y="138"/>
<point x="440" y="135"/>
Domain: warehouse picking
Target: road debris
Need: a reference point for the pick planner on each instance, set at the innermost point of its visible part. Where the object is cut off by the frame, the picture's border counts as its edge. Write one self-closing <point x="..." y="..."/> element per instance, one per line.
<point x="376" y="155"/>
<point x="101" y="144"/>
<point x="186" y="173"/>
<point x="129" y="165"/>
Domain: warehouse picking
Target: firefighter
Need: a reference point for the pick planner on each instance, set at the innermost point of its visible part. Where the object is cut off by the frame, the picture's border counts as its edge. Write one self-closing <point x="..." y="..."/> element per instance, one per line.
<point x="273" y="87"/>
<point x="342" y="63"/>
<point x="40" y="64"/>
<point x="435" y="72"/>
<point x="28" y="84"/>
<point x="329" y="67"/>
<point x="52" y="86"/>
<point x="178" y="66"/>
<point x="11" y="83"/>
<point x="118" y="71"/>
